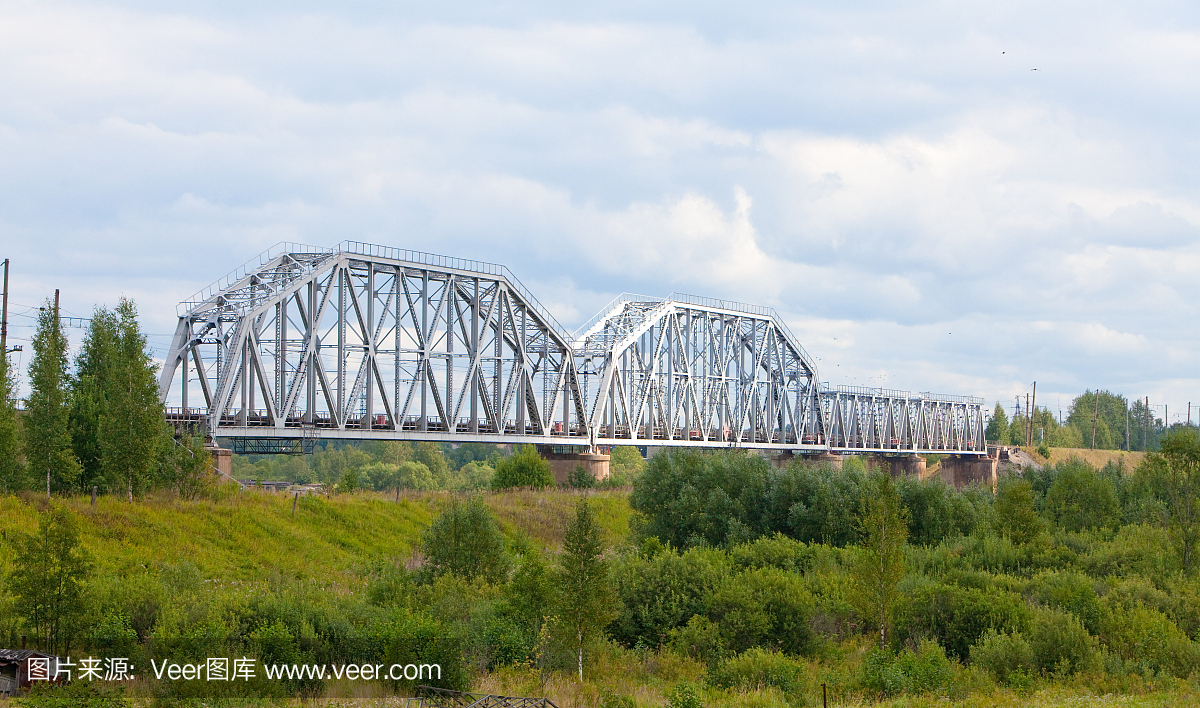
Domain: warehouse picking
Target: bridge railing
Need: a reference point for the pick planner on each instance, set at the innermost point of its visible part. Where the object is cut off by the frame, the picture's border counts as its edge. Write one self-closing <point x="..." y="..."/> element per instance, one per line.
<point x="759" y="310"/>
<point x="896" y="393"/>
<point x="245" y="269"/>
<point x="599" y="317"/>
<point x="432" y="259"/>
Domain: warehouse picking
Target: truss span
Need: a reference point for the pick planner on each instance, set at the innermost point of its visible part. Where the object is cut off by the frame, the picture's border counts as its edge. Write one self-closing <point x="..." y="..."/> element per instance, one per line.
<point x="370" y="342"/>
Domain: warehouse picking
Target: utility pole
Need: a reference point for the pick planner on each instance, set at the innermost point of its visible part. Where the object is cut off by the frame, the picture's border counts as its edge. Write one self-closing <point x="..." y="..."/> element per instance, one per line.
<point x="1095" y="417"/>
<point x="1128" y="447"/>
<point x="1146" y="427"/>
<point x="1032" y="412"/>
<point x="4" y="316"/>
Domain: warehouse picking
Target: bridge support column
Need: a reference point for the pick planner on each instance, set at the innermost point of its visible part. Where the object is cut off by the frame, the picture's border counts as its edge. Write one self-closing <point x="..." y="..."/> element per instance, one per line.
<point x="965" y="470"/>
<point x="222" y="459"/>
<point x="825" y="458"/>
<point x="563" y="463"/>
<point x="911" y="465"/>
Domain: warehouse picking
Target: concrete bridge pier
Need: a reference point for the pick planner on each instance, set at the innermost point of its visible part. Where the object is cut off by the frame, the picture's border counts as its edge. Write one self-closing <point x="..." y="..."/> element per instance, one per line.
<point x="563" y="463"/>
<point x="825" y="458"/>
<point x="910" y="465"/>
<point x="965" y="470"/>
<point x="222" y="459"/>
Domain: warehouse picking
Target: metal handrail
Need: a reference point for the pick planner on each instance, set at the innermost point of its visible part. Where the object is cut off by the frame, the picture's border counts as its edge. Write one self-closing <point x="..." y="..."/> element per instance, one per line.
<point x="205" y="294"/>
<point x="432" y="259"/>
<point x="894" y="393"/>
<point x="599" y="317"/>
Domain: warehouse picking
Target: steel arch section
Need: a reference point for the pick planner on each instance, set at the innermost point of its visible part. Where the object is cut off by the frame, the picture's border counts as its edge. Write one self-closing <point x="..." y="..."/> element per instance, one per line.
<point x="367" y="341"/>
<point x="689" y="371"/>
<point x="878" y="420"/>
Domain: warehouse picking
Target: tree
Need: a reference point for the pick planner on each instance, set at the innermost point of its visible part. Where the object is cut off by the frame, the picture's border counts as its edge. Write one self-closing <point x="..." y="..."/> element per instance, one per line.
<point x="190" y="467"/>
<point x="880" y="565"/>
<point x="1109" y="411"/>
<point x="997" y="427"/>
<point x="430" y="454"/>
<point x="524" y="469"/>
<point x="466" y="541"/>
<point x="133" y="429"/>
<point x="47" y="578"/>
<point x="1181" y="459"/>
<point x="415" y="475"/>
<point x="586" y="599"/>
<point x="89" y="400"/>
<point x="1016" y="515"/>
<point x="1081" y="498"/>
<point x="47" y="416"/>
<point x="12" y="467"/>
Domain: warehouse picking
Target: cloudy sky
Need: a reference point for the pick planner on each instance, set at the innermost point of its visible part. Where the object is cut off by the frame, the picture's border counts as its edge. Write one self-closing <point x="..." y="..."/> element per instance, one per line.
<point x="962" y="197"/>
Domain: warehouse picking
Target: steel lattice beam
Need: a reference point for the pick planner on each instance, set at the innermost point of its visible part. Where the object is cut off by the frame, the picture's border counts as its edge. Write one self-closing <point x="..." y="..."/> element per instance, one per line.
<point x="369" y="342"/>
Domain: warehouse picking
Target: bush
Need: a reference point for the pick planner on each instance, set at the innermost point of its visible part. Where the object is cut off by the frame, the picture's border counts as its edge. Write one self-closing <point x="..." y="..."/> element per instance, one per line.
<point x="78" y="694"/>
<point x="925" y="671"/>
<point x="465" y="540"/>
<point x="1151" y="642"/>
<point x="957" y="616"/>
<point x="580" y="478"/>
<point x="1007" y="657"/>
<point x="1061" y="644"/>
<point x="763" y="607"/>
<point x="1016" y="511"/>
<point x="1070" y="592"/>
<point x="758" y="668"/>
<point x="1081" y="498"/>
<point x="524" y="469"/>
<point x="684" y="696"/>
<point x="662" y="592"/>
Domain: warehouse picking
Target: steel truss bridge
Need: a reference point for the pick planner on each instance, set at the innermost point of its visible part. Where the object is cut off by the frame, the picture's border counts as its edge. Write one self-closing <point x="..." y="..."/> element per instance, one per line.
<point x="371" y="342"/>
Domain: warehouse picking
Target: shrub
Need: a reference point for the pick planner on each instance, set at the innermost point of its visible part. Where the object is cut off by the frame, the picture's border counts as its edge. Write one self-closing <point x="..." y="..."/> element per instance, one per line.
<point x="956" y="616"/>
<point x="776" y="551"/>
<point x="1007" y="657"/>
<point x="524" y="469"/>
<point x="1061" y="644"/>
<point x="1150" y="641"/>
<point x="662" y="592"/>
<point x="698" y="497"/>
<point x="684" y="696"/>
<point x="758" y="668"/>
<point x="700" y="639"/>
<point x="925" y="671"/>
<point x="580" y="478"/>
<point x="763" y="607"/>
<point x="1016" y="513"/>
<point x="1080" y="498"/>
<point x="1070" y="592"/>
<point x="79" y="694"/>
<point x="465" y="540"/>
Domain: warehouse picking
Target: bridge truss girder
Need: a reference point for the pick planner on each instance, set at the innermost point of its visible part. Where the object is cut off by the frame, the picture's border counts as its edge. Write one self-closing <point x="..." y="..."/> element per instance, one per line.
<point x="369" y="342"/>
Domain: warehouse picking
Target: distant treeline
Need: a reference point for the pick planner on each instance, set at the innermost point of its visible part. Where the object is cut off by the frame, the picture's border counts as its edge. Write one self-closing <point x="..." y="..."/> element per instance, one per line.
<point x="1113" y="418"/>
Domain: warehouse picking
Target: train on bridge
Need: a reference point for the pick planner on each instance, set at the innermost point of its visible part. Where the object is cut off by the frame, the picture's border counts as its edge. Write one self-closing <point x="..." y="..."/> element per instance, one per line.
<point x="365" y="342"/>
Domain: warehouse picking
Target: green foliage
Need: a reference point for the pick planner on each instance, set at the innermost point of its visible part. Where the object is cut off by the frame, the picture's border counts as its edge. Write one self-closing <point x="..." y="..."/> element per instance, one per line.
<point x="684" y="695"/>
<point x="662" y="592"/>
<point x="763" y="607"/>
<point x="349" y="482"/>
<point x="997" y="428"/>
<point x="1080" y="498"/>
<point x="78" y="694"/>
<point x="524" y="469"/>
<point x="625" y="464"/>
<point x="133" y="433"/>
<point x="815" y="503"/>
<point x="937" y="511"/>
<point x="1071" y="592"/>
<point x="757" y="669"/>
<point x="585" y="594"/>
<point x="700" y="638"/>
<point x="466" y="541"/>
<point x="47" y="580"/>
<point x="94" y="370"/>
<point x="957" y="616"/>
<point x="926" y="670"/>
<point x="12" y="462"/>
<point x="693" y="497"/>
<point x="879" y="566"/>
<point x="579" y="478"/>
<point x="1008" y="657"/>
<point x="1178" y="470"/>
<point x="48" y="450"/>
<point x="1016" y="513"/>
<point x="189" y="468"/>
<point x="1109" y="422"/>
<point x="1061" y="645"/>
<point x="414" y="475"/>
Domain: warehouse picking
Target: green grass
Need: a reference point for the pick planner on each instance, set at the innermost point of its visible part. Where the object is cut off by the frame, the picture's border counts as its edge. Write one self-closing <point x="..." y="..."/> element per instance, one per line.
<point x="250" y="535"/>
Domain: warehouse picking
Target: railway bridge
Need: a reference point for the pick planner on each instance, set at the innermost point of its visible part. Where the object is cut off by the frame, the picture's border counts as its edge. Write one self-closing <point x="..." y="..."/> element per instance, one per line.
<point x="362" y="342"/>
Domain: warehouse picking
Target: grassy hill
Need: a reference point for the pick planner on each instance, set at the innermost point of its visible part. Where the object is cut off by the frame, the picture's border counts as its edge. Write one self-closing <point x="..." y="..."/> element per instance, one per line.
<point x="253" y="535"/>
